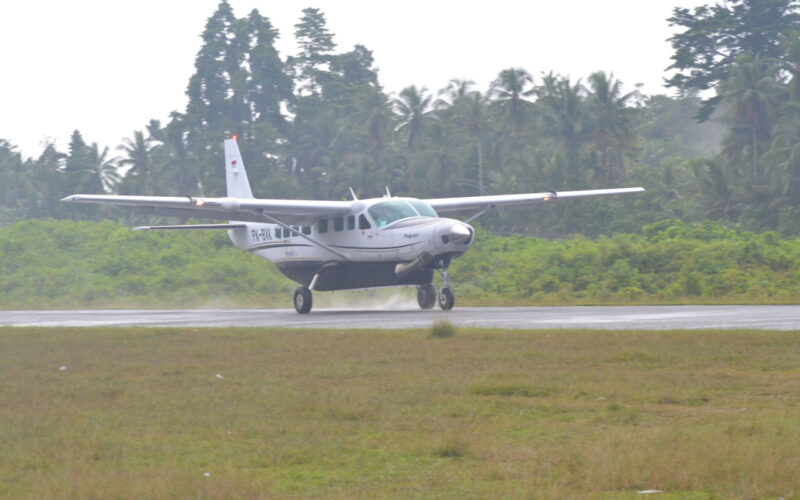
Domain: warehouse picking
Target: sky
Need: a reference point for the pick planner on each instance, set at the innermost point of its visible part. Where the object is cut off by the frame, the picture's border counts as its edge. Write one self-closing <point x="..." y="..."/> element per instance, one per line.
<point x="107" y="68"/>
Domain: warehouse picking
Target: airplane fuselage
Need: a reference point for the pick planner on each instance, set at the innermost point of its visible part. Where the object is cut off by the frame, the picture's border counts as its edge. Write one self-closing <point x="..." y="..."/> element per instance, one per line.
<point x="361" y="249"/>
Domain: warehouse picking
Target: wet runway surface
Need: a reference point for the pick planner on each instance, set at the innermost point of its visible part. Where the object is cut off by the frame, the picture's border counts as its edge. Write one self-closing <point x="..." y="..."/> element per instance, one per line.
<point x="596" y="317"/>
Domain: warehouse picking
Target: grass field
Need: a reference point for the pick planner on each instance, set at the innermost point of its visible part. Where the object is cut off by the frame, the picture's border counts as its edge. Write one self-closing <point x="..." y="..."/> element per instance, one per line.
<point x="254" y="413"/>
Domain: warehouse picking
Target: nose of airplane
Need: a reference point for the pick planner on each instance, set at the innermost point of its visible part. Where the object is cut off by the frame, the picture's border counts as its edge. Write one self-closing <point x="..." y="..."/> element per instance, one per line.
<point x="460" y="232"/>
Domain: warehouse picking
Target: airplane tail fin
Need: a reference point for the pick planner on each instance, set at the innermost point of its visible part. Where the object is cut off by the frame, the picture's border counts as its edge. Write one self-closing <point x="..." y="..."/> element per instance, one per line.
<point x="235" y="174"/>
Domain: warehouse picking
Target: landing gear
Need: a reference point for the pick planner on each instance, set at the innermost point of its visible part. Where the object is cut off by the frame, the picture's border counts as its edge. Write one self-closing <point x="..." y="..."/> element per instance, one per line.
<point x="446" y="297"/>
<point x="426" y="296"/>
<point x="302" y="299"/>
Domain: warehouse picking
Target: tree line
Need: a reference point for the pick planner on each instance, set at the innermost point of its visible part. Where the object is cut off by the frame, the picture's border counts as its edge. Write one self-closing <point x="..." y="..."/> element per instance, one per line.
<point x="312" y="124"/>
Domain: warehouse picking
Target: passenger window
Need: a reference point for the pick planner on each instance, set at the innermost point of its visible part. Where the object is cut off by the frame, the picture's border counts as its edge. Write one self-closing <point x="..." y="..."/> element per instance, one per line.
<point x="363" y="223"/>
<point x="338" y="223"/>
<point x="285" y="233"/>
<point x="306" y="230"/>
<point x="322" y="225"/>
<point x="277" y="233"/>
<point x="351" y="222"/>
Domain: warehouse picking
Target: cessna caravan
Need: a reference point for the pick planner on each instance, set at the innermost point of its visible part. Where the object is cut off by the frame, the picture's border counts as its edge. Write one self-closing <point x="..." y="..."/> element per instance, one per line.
<point x="340" y="245"/>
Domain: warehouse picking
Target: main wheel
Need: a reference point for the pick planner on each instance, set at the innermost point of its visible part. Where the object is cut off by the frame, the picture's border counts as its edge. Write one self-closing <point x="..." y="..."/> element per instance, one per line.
<point x="302" y="299"/>
<point x="426" y="296"/>
<point x="446" y="298"/>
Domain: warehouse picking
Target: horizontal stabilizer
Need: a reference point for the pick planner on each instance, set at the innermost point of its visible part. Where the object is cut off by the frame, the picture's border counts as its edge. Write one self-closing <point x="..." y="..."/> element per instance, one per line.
<point x="192" y="226"/>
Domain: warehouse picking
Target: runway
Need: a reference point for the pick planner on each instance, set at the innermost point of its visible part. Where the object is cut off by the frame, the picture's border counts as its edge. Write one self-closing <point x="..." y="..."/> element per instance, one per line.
<point x="594" y="317"/>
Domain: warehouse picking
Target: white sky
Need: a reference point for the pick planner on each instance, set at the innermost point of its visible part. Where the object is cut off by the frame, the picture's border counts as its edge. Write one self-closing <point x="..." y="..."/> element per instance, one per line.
<point x="106" y="68"/>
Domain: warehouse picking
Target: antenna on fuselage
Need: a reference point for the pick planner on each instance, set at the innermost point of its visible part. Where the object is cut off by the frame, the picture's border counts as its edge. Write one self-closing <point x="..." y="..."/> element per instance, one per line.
<point x="352" y="193"/>
<point x="388" y="194"/>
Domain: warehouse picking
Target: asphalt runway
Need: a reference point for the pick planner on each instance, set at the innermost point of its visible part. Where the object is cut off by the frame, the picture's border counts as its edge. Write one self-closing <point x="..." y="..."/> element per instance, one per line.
<point x="596" y="317"/>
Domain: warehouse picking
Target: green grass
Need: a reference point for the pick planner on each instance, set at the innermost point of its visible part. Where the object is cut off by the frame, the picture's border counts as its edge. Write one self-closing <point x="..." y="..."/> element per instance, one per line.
<point x="142" y="413"/>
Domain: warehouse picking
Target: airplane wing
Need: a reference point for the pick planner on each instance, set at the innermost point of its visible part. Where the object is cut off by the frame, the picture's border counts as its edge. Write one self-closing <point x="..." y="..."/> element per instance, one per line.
<point x="452" y="206"/>
<point x="235" y="209"/>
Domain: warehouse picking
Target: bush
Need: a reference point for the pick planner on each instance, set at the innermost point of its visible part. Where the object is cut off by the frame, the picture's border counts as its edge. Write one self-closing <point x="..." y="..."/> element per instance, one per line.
<point x="443" y="329"/>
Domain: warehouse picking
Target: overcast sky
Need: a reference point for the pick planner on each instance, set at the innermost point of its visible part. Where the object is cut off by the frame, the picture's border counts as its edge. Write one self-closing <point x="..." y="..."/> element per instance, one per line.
<point x="106" y="68"/>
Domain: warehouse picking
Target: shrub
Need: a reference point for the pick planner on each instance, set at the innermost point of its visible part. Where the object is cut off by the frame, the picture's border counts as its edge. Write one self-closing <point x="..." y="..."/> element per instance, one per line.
<point x="442" y="329"/>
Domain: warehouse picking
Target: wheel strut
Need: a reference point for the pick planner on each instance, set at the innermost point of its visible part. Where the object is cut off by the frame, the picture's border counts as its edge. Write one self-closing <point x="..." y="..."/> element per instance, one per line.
<point x="446" y="297"/>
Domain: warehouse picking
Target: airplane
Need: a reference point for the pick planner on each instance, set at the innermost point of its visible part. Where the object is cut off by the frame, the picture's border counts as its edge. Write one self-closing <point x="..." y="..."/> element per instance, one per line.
<point x="340" y="245"/>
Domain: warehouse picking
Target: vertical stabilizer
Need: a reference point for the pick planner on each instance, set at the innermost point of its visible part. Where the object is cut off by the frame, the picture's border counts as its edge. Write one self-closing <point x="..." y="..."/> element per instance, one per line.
<point x="235" y="174"/>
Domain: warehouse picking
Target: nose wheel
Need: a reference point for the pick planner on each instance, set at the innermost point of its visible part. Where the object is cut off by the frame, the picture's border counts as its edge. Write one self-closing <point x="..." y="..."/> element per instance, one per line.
<point x="446" y="297"/>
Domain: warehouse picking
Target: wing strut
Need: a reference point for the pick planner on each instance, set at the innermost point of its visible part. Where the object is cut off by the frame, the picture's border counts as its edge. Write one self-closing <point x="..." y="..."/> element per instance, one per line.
<point x="490" y="207"/>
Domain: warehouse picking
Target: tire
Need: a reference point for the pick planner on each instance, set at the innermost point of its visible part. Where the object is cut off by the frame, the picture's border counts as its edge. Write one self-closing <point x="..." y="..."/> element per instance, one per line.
<point x="446" y="299"/>
<point x="426" y="296"/>
<point x="302" y="300"/>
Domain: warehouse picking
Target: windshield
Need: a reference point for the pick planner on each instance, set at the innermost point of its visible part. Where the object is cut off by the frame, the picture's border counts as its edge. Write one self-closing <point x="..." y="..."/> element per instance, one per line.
<point x="423" y="208"/>
<point x="386" y="212"/>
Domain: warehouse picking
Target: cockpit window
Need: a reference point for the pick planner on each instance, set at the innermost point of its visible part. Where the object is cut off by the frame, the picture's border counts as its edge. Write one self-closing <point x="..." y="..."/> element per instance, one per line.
<point x="386" y="212"/>
<point x="423" y="208"/>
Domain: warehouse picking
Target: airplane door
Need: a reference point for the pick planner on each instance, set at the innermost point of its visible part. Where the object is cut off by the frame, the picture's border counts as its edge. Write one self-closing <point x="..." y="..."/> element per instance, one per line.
<point x="366" y="228"/>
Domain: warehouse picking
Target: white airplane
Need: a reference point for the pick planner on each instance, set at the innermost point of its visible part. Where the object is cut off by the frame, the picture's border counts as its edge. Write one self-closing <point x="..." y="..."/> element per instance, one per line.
<point x="340" y="245"/>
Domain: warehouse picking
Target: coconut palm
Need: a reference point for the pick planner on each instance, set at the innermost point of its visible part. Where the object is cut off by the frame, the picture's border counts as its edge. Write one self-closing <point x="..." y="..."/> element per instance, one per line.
<point x="752" y="94"/>
<point x="138" y="158"/>
<point x="414" y="108"/>
<point x="564" y="114"/>
<point x="100" y="175"/>
<point x="510" y="90"/>
<point x="472" y="116"/>
<point x="457" y="88"/>
<point x="790" y="63"/>
<point x="441" y="150"/>
<point x="717" y="193"/>
<point x="374" y="121"/>
<point x="612" y="125"/>
<point x="783" y="159"/>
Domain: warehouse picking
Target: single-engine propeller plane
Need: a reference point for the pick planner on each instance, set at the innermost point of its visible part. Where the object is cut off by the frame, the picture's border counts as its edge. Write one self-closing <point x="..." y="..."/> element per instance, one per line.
<point x="339" y="245"/>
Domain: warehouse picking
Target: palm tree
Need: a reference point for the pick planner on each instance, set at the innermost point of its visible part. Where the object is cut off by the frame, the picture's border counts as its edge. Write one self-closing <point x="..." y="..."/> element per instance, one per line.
<point x="138" y="158"/>
<point x="752" y="93"/>
<point x="100" y="176"/>
<point x="717" y="191"/>
<point x="510" y="91"/>
<point x="561" y="105"/>
<point x="611" y="123"/>
<point x="471" y="115"/>
<point x="456" y="89"/>
<point x="11" y="175"/>
<point x="783" y="158"/>
<point x="374" y="120"/>
<point x="444" y="163"/>
<point x="48" y="170"/>
<point x="414" y="109"/>
<point x="791" y="62"/>
<point x="174" y="139"/>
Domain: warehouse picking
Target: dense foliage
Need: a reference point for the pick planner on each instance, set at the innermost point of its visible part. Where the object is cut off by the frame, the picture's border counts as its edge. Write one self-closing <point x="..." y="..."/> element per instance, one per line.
<point x="313" y="123"/>
<point x="66" y="264"/>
